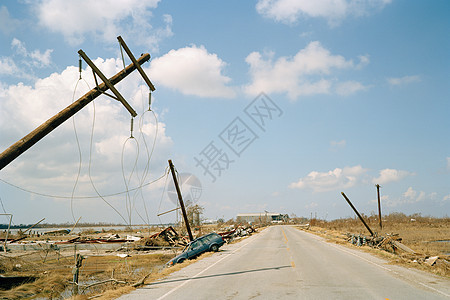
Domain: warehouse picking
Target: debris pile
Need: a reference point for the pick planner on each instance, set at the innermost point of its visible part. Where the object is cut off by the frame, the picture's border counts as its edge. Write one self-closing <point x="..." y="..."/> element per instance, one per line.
<point x="113" y="238"/>
<point x="166" y="238"/>
<point x="238" y="232"/>
<point x="392" y="243"/>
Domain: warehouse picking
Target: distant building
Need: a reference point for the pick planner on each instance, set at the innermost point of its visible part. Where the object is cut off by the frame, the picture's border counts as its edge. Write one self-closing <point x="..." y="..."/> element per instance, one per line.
<point x="264" y="217"/>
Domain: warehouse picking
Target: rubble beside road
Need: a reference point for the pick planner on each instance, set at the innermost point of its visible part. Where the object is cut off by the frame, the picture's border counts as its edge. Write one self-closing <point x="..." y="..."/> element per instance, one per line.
<point x="391" y="245"/>
<point x="236" y="233"/>
<point x="110" y="260"/>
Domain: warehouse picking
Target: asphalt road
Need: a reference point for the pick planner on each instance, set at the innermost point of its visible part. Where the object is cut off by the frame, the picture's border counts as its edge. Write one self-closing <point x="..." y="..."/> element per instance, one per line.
<point x="285" y="263"/>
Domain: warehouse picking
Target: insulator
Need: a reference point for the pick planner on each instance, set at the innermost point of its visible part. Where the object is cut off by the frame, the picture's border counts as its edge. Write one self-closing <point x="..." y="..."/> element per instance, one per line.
<point x="80" y="66"/>
<point x="132" y="127"/>
<point x="149" y="100"/>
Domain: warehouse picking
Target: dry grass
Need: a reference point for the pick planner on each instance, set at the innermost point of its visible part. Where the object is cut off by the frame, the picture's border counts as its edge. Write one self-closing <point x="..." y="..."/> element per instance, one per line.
<point x="54" y="270"/>
<point x="421" y="234"/>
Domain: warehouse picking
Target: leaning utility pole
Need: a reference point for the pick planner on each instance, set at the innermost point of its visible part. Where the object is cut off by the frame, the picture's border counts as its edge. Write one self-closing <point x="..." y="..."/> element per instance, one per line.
<point x="379" y="205"/>
<point x="357" y="213"/>
<point x="180" y="198"/>
<point x="36" y="135"/>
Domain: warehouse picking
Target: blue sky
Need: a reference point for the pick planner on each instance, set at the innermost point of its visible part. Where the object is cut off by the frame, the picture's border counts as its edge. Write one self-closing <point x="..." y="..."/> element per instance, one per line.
<point x="273" y="105"/>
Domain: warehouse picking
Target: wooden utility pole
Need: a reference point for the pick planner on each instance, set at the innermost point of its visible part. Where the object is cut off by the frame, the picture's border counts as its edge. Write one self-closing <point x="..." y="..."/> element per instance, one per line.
<point x="36" y="135"/>
<point x="357" y="213"/>
<point x="379" y="205"/>
<point x="180" y="198"/>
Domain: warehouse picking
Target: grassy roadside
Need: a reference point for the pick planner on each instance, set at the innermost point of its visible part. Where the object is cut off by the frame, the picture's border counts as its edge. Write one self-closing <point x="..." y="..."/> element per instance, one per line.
<point x="104" y="274"/>
<point x="420" y="236"/>
<point x="163" y="273"/>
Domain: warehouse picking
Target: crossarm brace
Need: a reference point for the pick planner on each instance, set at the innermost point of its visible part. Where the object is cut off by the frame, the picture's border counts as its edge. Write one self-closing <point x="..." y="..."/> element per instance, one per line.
<point x="108" y="83"/>
<point x="138" y="66"/>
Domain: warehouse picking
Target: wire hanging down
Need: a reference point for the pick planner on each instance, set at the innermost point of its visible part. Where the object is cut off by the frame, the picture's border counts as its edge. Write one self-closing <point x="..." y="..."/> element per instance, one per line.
<point x="77" y="140"/>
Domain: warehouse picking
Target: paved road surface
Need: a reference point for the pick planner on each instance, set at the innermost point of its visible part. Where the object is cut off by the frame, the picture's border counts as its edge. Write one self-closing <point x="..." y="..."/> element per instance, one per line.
<point x="285" y="263"/>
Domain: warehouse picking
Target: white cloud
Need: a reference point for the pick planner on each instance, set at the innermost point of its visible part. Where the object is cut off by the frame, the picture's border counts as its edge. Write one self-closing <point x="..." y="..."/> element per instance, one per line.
<point x="309" y="72"/>
<point x="410" y="193"/>
<point x="331" y="180"/>
<point x="446" y="198"/>
<point x="22" y="63"/>
<point x="349" y="88"/>
<point x="8" y="66"/>
<point x="78" y="20"/>
<point x="289" y="11"/>
<point x="338" y="144"/>
<point x="192" y="71"/>
<point x="37" y="59"/>
<point x="51" y="165"/>
<point x="403" y="80"/>
<point x="410" y="196"/>
<point x="390" y="175"/>
<point x="7" y="23"/>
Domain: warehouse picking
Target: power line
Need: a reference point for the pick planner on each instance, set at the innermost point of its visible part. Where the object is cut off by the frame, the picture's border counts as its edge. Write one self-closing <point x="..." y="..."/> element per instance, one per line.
<point x="81" y="197"/>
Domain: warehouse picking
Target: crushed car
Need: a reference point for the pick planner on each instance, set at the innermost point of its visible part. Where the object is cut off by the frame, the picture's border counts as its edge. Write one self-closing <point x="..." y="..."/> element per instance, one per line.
<point x="209" y="242"/>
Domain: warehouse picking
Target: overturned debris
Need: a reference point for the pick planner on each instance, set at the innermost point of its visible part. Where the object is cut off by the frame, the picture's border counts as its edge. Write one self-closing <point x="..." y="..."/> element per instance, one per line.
<point x="239" y="231"/>
<point x="168" y="237"/>
<point x="392" y="243"/>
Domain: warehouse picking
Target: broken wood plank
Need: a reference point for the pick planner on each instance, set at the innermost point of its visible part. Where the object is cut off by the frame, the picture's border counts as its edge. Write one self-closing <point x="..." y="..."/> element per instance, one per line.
<point x="403" y="247"/>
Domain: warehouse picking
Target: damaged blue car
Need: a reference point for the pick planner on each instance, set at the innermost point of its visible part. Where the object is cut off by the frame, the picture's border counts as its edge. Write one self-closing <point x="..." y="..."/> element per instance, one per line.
<point x="209" y="242"/>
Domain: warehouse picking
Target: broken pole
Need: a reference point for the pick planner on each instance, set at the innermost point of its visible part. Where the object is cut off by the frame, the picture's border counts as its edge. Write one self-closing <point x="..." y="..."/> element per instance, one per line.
<point x="379" y="205"/>
<point x="76" y="272"/>
<point x="75" y="225"/>
<point x="166" y="212"/>
<point x="180" y="198"/>
<point x="7" y="232"/>
<point x="36" y="135"/>
<point x="29" y="228"/>
<point x="362" y="220"/>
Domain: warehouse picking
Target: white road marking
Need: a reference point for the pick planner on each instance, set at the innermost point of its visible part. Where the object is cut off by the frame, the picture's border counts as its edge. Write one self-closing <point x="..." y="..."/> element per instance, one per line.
<point x="201" y="272"/>
<point x="385" y="268"/>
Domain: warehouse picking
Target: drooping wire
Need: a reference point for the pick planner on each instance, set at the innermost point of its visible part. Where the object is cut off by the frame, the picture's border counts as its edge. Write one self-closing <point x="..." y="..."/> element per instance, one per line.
<point x="90" y="164"/>
<point x="77" y="139"/>
<point x="80" y="197"/>
<point x="163" y="192"/>
<point x="131" y="201"/>
<point x="149" y="154"/>
<point x="142" y="136"/>
<point x="138" y="190"/>
<point x="121" y="52"/>
<point x="1" y="202"/>
<point x="128" y="200"/>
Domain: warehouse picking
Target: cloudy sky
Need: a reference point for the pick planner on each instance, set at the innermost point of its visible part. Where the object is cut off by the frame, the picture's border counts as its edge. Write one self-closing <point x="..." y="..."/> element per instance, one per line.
<point x="269" y="105"/>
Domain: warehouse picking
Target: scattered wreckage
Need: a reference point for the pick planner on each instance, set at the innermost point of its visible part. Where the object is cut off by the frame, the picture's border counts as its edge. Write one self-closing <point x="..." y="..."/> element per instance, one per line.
<point x="238" y="232"/>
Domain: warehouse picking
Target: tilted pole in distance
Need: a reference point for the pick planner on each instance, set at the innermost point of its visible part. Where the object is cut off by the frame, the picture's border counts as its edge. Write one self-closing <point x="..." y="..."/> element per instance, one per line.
<point x="180" y="198"/>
